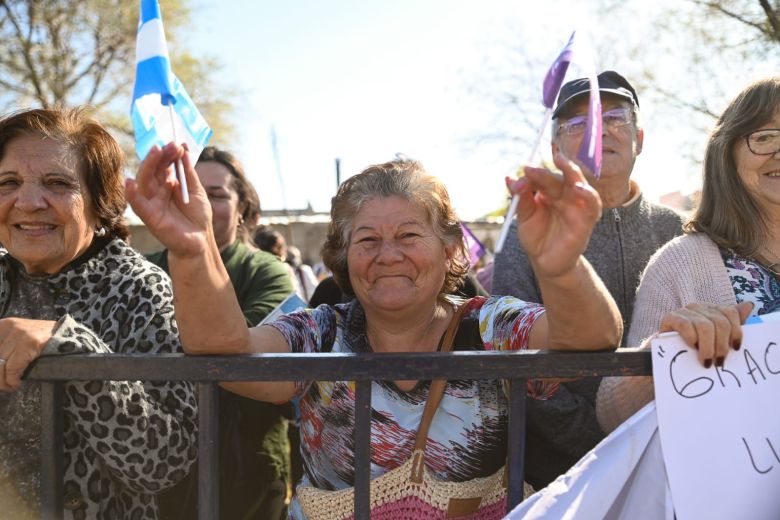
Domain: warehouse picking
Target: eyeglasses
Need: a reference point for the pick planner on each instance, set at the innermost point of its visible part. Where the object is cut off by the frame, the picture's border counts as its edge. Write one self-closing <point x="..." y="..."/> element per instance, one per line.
<point x="764" y="142"/>
<point x="615" y="118"/>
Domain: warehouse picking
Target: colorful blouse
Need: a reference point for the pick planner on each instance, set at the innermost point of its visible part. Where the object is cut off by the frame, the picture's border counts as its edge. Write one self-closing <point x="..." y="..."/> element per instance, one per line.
<point x="752" y="282"/>
<point x="467" y="438"/>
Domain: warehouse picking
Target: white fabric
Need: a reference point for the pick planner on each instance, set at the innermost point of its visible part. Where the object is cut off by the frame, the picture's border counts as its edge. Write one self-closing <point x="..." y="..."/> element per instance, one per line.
<point x="161" y="110"/>
<point x="623" y="478"/>
<point x="151" y="41"/>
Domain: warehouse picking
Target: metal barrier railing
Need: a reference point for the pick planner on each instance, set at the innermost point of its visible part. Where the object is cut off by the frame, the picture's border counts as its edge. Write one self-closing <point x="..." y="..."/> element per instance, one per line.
<point x="207" y="371"/>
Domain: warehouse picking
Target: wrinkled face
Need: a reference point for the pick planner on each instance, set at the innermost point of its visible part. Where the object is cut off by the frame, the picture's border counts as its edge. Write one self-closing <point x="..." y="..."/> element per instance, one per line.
<point x="620" y="145"/>
<point x="395" y="259"/>
<point x="218" y="183"/>
<point x="46" y="217"/>
<point x="760" y="174"/>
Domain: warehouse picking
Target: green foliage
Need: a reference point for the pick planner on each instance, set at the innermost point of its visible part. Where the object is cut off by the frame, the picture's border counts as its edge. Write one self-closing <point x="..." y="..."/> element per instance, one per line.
<point x="82" y="52"/>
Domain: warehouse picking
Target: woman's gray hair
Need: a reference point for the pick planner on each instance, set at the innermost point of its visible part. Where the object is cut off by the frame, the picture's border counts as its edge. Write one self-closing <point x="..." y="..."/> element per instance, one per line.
<point x="402" y="178"/>
<point x="727" y="212"/>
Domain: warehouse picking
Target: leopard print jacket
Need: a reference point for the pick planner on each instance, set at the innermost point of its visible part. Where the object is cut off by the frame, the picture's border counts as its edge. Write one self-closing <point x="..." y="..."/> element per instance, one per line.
<point x="124" y="441"/>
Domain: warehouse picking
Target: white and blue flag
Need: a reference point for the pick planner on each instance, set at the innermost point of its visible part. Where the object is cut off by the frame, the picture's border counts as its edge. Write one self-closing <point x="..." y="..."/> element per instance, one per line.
<point x="161" y="110"/>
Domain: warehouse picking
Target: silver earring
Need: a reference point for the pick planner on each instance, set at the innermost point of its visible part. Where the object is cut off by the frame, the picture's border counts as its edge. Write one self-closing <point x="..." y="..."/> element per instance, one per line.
<point x="100" y="232"/>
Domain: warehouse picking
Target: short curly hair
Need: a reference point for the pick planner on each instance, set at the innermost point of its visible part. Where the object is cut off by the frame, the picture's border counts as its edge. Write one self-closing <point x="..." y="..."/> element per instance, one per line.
<point x="99" y="154"/>
<point x="402" y="178"/>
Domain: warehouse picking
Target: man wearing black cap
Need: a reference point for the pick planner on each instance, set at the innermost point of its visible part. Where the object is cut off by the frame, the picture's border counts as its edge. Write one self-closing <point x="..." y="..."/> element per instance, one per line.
<point x="562" y="429"/>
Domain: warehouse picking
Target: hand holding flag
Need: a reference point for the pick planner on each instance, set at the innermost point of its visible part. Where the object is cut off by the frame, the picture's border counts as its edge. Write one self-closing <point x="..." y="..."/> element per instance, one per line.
<point x="184" y="228"/>
<point x="161" y="110"/>
<point x="555" y="216"/>
<point x="590" y="150"/>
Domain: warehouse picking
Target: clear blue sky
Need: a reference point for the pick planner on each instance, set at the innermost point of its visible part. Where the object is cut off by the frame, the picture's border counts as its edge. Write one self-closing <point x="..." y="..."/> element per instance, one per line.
<point x="363" y="80"/>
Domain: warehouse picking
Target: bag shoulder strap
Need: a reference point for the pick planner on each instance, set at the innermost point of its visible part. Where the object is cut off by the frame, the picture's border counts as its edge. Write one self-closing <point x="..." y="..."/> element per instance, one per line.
<point x="436" y="390"/>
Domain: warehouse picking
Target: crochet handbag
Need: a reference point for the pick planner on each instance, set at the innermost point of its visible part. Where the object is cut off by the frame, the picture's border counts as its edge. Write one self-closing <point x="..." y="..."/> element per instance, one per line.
<point x="410" y="491"/>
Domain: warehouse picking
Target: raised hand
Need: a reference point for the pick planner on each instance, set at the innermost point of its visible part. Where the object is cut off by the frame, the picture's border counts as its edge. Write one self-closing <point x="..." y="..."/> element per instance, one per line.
<point x="555" y="216"/>
<point x="155" y="196"/>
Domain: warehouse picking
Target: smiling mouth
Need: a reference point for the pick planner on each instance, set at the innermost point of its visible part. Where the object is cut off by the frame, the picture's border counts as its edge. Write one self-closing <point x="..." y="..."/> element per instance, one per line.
<point x="390" y="278"/>
<point x="34" y="227"/>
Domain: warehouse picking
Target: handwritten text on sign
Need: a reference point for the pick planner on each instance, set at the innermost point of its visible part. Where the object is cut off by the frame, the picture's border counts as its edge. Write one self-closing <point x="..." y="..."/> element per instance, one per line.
<point x="720" y="427"/>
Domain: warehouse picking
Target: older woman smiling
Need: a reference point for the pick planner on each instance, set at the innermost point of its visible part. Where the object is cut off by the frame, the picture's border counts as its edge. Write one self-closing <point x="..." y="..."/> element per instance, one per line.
<point x="395" y="243"/>
<point x="727" y="265"/>
<point x="69" y="283"/>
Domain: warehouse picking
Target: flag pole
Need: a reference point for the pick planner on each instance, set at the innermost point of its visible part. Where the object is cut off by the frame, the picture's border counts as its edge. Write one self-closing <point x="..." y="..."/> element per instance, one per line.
<point x="177" y="165"/>
<point x="515" y="199"/>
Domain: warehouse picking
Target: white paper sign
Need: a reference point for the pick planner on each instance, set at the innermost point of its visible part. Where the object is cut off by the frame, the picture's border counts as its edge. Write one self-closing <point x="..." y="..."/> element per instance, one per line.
<point x="720" y="427"/>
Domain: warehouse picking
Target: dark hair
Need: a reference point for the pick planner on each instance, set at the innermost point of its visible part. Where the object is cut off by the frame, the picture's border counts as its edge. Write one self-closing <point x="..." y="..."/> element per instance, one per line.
<point x="268" y="239"/>
<point x="727" y="212"/>
<point x="402" y="178"/>
<point x="99" y="156"/>
<point x="248" y="201"/>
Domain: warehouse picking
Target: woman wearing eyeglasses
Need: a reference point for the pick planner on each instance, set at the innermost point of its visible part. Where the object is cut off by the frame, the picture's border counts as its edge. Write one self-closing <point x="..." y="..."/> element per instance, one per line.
<point x="727" y="265"/>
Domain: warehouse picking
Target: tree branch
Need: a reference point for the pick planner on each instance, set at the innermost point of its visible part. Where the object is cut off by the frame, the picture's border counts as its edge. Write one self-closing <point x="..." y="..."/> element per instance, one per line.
<point x="773" y="17"/>
<point x="698" y="108"/>
<point x="26" y="46"/>
<point x="16" y="88"/>
<point x="718" y="7"/>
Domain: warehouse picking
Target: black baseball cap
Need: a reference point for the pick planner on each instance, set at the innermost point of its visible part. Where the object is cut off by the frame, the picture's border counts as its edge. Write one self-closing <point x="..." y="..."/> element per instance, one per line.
<point x="610" y="82"/>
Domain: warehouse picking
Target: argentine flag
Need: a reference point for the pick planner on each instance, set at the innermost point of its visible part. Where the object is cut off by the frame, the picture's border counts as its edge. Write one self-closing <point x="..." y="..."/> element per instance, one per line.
<point x="161" y="110"/>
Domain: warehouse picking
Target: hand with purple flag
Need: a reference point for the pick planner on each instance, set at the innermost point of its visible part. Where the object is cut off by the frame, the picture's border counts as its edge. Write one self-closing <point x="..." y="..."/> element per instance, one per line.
<point x="556" y="215"/>
<point x="590" y="152"/>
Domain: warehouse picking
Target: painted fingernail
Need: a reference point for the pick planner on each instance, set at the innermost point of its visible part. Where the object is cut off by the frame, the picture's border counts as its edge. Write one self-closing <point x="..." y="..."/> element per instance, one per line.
<point x="737" y="344"/>
<point x="707" y="363"/>
<point x="696" y="345"/>
<point x="719" y="361"/>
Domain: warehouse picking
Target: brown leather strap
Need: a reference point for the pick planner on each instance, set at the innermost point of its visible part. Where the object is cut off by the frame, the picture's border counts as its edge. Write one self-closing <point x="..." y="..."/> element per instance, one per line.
<point x="436" y="391"/>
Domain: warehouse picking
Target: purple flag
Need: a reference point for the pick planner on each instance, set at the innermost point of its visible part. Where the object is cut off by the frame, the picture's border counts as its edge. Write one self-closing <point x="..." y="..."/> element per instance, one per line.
<point x="474" y="246"/>
<point x="590" y="149"/>
<point x="554" y="78"/>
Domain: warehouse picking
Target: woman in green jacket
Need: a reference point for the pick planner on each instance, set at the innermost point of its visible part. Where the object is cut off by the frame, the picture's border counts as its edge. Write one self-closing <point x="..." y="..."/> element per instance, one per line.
<point x="254" y="450"/>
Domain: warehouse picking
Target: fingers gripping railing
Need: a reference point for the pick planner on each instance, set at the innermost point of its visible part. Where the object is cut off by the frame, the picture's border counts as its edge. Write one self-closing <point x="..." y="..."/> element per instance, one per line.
<point x="517" y="367"/>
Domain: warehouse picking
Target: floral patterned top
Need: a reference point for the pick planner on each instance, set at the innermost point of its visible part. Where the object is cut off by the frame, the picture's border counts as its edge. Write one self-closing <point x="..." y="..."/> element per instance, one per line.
<point x="467" y="438"/>
<point x="752" y="282"/>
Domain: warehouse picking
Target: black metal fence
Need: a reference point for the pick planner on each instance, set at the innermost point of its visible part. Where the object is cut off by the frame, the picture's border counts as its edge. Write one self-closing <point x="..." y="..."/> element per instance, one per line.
<point x="516" y="367"/>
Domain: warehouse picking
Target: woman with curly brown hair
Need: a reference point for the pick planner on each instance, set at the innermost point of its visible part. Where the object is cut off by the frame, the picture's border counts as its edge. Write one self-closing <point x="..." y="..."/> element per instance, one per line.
<point x="395" y="243"/>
